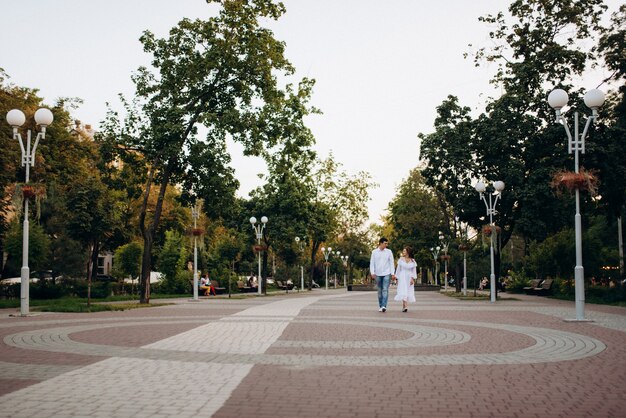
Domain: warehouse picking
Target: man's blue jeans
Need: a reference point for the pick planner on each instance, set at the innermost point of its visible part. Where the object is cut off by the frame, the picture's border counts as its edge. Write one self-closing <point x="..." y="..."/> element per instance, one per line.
<point x="382" y="282"/>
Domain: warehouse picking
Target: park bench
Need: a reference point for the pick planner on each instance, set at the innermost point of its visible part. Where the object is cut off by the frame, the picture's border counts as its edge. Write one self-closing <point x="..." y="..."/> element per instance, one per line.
<point x="284" y="285"/>
<point x="533" y="285"/>
<point x="544" y="288"/>
<point x="204" y="290"/>
<point x="245" y="289"/>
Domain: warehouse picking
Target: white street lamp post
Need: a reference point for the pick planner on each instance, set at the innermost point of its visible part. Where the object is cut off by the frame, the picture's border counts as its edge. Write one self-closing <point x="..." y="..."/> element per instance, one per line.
<point x="344" y="259"/>
<point x="491" y="210"/>
<point x="301" y="244"/>
<point x="16" y="118"/>
<point x="465" y="273"/>
<point x="195" y="214"/>
<point x="258" y="230"/>
<point x="326" y="252"/>
<point x="435" y="252"/>
<point x="338" y="254"/>
<point x="463" y="248"/>
<point x="444" y="246"/>
<point x="593" y="99"/>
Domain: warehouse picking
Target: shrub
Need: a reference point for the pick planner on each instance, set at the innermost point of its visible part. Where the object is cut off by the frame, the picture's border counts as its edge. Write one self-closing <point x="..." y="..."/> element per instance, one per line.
<point x="179" y="284"/>
<point x="517" y="282"/>
<point x="10" y="290"/>
<point x="563" y="288"/>
<point x="99" y="290"/>
<point x="603" y="294"/>
<point x="47" y="290"/>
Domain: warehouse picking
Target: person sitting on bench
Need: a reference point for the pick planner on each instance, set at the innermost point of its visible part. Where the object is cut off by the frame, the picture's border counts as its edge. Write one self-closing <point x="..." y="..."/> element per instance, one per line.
<point x="252" y="281"/>
<point x="207" y="286"/>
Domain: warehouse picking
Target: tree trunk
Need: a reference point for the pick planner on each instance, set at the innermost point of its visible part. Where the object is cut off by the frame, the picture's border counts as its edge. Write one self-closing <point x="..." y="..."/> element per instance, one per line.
<point x="620" y="247"/>
<point x="264" y="270"/>
<point x="89" y="277"/>
<point x="144" y="283"/>
<point x="496" y="267"/>
<point x="348" y="279"/>
<point x="149" y="234"/>
<point x="144" y="280"/>
<point x="314" y="246"/>
<point x="264" y="267"/>
<point x="95" y="251"/>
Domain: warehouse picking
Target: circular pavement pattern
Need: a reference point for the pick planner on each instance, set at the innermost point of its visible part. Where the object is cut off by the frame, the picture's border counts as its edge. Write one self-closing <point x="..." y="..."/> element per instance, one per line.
<point x="550" y="345"/>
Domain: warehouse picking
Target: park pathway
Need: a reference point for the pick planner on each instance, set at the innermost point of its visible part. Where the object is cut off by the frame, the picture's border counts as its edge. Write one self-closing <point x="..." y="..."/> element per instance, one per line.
<point x="317" y="354"/>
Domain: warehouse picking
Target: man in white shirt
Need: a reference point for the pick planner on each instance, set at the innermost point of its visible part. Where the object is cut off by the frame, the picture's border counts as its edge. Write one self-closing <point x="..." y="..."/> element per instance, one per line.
<point x="381" y="269"/>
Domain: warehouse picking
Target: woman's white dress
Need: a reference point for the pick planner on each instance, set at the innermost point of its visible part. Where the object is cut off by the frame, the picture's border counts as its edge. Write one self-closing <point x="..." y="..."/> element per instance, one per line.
<point x="404" y="272"/>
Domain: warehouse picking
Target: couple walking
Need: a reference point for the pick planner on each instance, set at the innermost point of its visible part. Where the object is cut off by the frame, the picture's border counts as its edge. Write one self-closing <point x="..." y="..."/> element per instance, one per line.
<point x="382" y="270"/>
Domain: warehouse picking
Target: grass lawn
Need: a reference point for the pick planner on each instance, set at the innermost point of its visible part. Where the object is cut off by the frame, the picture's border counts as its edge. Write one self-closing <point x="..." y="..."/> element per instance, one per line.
<point x="113" y="303"/>
<point x="479" y="296"/>
<point x="74" y="304"/>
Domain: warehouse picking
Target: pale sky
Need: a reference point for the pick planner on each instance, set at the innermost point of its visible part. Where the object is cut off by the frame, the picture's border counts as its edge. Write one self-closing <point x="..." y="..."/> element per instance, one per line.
<point x="381" y="67"/>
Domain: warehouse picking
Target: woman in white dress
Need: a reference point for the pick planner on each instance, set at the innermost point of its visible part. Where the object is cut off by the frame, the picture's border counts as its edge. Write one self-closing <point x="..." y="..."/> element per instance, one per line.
<point x="406" y="273"/>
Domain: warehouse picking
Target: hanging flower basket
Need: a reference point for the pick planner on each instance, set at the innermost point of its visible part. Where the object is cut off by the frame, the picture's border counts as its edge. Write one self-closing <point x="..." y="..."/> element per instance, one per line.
<point x="463" y="247"/>
<point x="258" y="248"/>
<point x="445" y="257"/>
<point x="487" y="230"/>
<point x="29" y="191"/>
<point x="584" y="180"/>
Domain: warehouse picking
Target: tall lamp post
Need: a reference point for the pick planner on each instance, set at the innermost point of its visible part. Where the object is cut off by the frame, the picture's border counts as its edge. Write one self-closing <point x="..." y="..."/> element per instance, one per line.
<point x="444" y="246"/>
<point x="435" y="252"/>
<point x="195" y="215"/>
<point x="326" y="252"/>
<point x="300" y="243"/>
<point x="463" y="247"/>
<point x="593" y="99"/>
<point x="344" y="260"/>
<point x="16" y="118"/>
<point x="258" y="230"/>
<point x="491" y="210"/>
<point x="338" y="254"/>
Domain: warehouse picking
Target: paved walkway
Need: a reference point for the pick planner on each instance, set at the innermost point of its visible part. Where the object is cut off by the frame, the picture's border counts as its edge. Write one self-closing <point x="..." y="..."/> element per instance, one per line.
<point x="318" y="354"/>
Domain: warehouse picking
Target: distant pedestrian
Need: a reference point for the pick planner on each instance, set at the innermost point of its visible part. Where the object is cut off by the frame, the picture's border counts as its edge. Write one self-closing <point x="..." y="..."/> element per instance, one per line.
<point x="381" y="269"/>
<point x="406" y="274"/>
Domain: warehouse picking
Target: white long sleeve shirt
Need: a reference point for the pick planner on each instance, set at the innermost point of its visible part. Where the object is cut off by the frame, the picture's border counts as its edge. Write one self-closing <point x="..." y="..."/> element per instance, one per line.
<point x="381" y="262"/>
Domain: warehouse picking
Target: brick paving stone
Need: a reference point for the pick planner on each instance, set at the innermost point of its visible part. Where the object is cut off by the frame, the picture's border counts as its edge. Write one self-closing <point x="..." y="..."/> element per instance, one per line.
<point x="318" y="354"/>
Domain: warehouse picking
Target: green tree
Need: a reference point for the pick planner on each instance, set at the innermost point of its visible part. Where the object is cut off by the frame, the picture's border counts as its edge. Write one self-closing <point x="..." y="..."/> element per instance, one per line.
<point x="357" y="246"/>
<point x="537" y="46"/>
<point x="67" y="255"/>
<point x="92" y="216"/>
<point x="173" y="262"/>
<point x="11" y="97"/>
<point x="415" y="217"/>
<point x="555" y="256"/>
<point x="220" y="73"/>
<point x="339" y="205"/>
<point x="611" y="155"/>
<point x="288" y="190"/>
<point x="612" y="159"/>
<point x="63" y="159"/>
<point x="128" y="259"/>
<point x="38" y="248"/>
